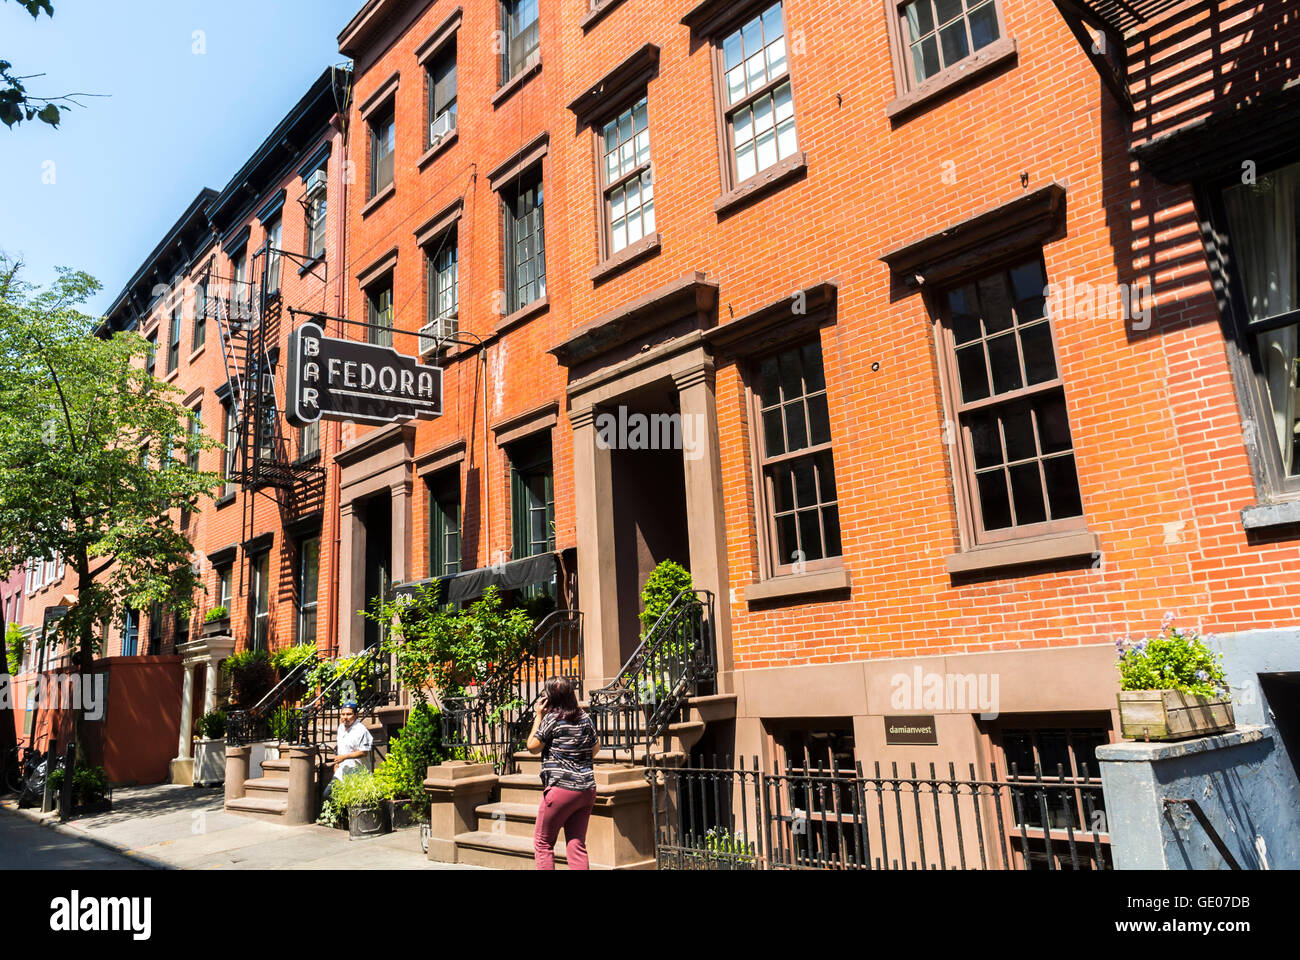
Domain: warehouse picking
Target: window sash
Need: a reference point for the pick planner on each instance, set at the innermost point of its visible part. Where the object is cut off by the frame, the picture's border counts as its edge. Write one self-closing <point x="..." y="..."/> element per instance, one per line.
<point x="442" y="90"/>
<point x="383" y="144"/>
<point x="260" y="601"/>
<point x="533" y="503"/>
<point x="523" y="37"/>
<point x="273" y="234"/>
<point x="309" y="440"/>
<point x="639" y="168"/>
<point x="526" y="245"/>
<point x="908" y="48"/>
<point x="317" y="213"/>
<point x="733" y="104"/>
<point x="444" y="533"/>
<point x="379" y="308"/>
<point x="200" y="332"/>
<point x="308" y="587"/>
<point x="442" y="275"/>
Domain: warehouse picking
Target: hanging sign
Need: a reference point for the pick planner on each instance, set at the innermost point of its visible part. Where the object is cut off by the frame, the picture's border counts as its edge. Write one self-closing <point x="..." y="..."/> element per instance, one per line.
<point x="332" y="379"/>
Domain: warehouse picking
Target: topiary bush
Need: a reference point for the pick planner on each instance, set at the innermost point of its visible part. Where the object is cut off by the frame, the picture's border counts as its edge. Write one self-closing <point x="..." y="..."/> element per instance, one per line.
<point x="662" y="587"/>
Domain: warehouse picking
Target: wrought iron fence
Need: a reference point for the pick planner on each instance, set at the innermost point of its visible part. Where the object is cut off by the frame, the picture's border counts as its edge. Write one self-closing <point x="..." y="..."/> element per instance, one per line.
<point x="822" y="818"/>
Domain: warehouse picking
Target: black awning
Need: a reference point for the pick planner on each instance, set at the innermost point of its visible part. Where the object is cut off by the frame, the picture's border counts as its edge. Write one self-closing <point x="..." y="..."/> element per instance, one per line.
<point x="471" y="584"/>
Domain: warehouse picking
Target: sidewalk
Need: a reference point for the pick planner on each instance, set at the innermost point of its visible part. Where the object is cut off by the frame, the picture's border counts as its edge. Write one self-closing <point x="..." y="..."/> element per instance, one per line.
<point x="186" y="828"/>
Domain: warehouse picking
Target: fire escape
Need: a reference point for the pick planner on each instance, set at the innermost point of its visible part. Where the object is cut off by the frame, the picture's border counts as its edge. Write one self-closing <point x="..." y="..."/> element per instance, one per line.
<point x="260" y="458"/>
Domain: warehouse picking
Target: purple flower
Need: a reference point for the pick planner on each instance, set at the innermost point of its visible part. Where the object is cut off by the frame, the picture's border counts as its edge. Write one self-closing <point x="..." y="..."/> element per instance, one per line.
<point x="1202" y="675"/>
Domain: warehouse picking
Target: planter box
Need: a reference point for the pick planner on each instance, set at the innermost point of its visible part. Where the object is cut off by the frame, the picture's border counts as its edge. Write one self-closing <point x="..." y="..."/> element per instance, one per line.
<point x="1171" y="715"/>
<point x="217" y="628"/>
<point x="366" y="822"/>
<point x="209" y="762"/>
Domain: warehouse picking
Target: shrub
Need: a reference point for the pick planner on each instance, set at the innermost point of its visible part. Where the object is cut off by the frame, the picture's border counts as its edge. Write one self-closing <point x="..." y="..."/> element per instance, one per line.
<point x="88" y="783"/>
<point x="289" y="658"/>
<point x="1174" y="659"/>
<point x="251" y="676"/>
<point x="215" y="614"/>
<point x="662" y="587"/>
<point x="15" y="648"/>
<point x="360" y="789"/>
<point x="212" y="726"/>
<point x="415" y="748"/>
<point x="351" y="669"/>
<point x="284" y="723"/>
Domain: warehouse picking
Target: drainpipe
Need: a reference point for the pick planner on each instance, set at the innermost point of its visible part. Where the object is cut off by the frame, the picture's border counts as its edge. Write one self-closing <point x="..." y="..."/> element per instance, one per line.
<point x="340" y="305"/>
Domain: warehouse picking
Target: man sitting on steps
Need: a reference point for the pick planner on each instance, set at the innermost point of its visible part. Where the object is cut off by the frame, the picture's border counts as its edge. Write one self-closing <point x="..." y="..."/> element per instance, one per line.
<point x="354" y="744"/>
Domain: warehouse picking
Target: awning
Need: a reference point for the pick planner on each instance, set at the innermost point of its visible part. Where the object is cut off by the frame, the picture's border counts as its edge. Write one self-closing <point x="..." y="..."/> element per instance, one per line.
<point x="471" y="584"/>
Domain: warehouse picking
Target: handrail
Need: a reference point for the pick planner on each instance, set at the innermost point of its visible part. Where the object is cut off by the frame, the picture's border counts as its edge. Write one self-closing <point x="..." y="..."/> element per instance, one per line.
<point x="673" y="658"/>
<point x="370" y="666"/>
<point x="242" y="725"/>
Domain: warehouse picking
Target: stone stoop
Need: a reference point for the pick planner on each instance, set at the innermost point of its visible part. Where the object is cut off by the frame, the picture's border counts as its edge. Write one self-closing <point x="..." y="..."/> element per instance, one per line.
<point x="285" y="793"/>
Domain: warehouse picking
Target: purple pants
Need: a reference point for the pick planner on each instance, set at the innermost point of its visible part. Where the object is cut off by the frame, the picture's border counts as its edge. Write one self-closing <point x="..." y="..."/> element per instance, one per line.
<point x="571" y="810"/>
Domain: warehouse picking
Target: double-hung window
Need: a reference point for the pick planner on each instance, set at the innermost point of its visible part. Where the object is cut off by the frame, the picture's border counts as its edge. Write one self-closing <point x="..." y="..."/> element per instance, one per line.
<point x="442" y="96"/>
<point x="274" y="231"/>
<point x="626" y="178"/>
<point x="260" y="601"/>
<point x="383" y="144"/>
<point x="316" y="204"/>
<point x="130" y="632"/>
<point x="379" y="311"/>
<point x="525" y="237"/>
<point x="442" y="280"/>
<point x="195" y="431"/>
<point x="1263" y="221"/>
<point x="200" y="314"/>
<point x="797" y="469"/>
<point x="229" y="461"/>
<point x="757" y="98"/>
<point x="174" y="336"/>
<point x="444" y="524"/>
<point x="308" y="582"/>
<point x="532" y="497"/>
<point x="522" y="35"/>
<point x="151" y="358"/>
<point x="1012" y="444"/>
<point x="939" y="34"/>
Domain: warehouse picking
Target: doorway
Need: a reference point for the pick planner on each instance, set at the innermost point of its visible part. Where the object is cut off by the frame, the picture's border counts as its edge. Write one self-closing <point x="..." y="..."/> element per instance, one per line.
<point x="649" y="497"/>
<point x="377" y="519"/>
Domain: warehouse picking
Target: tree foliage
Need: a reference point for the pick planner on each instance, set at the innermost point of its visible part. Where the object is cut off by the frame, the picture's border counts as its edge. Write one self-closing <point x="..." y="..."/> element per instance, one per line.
<point x="93" y="454"/>
<point x="16" y="102"/>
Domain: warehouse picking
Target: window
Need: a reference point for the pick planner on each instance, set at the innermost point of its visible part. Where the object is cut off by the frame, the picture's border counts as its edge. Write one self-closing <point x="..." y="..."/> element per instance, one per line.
<point x="151" y="357"/>
<point x="442" y="96"/>
<point x="1012" y="437"/>
<point x="309" y="440"/>
<point x="273" y="233"/>
<point x="195" y="435"/>
<point x="444" y="524"/>
<point x="155" y="630"/>
<point x="1037" y="750"/>
<point x="522" y="35"/>
<point x="174" y="336"/>
<point x="229" y="462"/>
<point x="1263" y="219"/>
<point x="801" y="504"/>
<point x="308" y="580"/>
<point x="383" y="143"/>
<point x="317" y="208"/>
<point x="130" y="632"/>
<point x="200" y="314"/>
<point x="626" y="179"/>
<point x="379" y="310"/>
<point x="442" y="263"/>
<point x="525" y="243"/>
<point x="939" y="34"/>
<point x="242" y="294"/>
<point x="224" y="580"/>
<point x="260" y="600"/>
<point x="756" y="95"/>
<point x="532" y="506"/>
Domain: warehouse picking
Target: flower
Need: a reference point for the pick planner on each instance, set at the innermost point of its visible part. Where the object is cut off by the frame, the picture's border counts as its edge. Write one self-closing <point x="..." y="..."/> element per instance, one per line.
<point x="1168" y="617"/>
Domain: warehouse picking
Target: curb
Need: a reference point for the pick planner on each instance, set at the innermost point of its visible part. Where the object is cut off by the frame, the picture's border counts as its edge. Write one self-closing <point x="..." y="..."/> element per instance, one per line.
<point x="51" y="822"/>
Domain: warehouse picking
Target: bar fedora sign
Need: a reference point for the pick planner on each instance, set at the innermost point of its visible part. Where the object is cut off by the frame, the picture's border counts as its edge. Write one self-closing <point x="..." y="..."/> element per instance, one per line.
<point x="332" y="379"/>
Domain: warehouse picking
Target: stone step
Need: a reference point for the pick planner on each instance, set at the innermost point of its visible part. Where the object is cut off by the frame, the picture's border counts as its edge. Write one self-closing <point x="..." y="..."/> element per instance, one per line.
<point x="267" y="787"/>
<point x="512" y="819"/>
<point x="261" y="808"/>
<point x="277" y="766"/>
<point x="502" y="851"/>
<point x="521" y="788"/>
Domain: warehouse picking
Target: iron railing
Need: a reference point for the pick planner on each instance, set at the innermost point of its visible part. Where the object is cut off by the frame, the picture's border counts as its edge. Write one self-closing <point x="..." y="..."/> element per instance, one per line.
<point x="494" y="719"/>
<point x="810" y="818"/>
<point x="674" y="660"/>
<point x="367" y="681"/>
<point x="259" y="721"/>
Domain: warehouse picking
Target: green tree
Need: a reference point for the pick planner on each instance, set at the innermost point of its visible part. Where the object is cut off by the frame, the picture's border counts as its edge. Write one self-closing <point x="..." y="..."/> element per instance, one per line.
<point x="16" y="103"/>
<point x="93" y="455"/>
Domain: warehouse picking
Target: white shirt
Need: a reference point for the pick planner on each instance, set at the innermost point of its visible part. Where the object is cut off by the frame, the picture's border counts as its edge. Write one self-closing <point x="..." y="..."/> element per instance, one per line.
<point x="351" y="739"/>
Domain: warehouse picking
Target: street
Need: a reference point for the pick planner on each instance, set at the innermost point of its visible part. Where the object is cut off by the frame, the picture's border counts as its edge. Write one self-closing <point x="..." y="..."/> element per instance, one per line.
<point x="25" y="845"/>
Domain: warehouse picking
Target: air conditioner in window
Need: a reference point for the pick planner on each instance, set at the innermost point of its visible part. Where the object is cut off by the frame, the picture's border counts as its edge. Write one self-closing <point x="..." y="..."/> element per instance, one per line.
<point x="439" y="129"/>
<point x="431" y="334"/>
<point x="316" y="182"/>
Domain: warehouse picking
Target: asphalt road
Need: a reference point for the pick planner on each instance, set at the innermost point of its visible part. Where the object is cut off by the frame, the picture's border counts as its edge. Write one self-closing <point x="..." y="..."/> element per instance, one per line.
<point x="25" y="845"/>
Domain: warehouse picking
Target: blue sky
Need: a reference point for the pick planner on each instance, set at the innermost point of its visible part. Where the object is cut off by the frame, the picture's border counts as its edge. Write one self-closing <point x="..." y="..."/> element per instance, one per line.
<point x="125" y="167"/>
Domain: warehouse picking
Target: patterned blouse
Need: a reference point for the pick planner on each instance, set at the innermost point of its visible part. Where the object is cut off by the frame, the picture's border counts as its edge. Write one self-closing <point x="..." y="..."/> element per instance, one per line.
<point x="568" y="752"/>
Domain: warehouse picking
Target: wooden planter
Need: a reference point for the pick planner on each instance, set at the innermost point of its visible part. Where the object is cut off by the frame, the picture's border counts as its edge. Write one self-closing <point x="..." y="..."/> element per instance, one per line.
<point x="217" y="628"/>
<point x="1171" y="715"/>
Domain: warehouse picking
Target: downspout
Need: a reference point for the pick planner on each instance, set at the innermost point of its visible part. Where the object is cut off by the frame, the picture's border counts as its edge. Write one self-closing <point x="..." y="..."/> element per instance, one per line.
<point x="340" y="305"/>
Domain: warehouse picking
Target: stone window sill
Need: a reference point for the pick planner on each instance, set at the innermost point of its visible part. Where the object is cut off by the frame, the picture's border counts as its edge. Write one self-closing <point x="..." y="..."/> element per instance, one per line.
<point x="526" y="312"/>
<point x="997" y="52"/>
<point x="427" y="157"/>
<point x="1266" y="516"/>
<point x="627" y="257"/>
<point x="597" y="13"/>
<point x="508" y="88"/>
<point x="197" y="353"/>
<point x="225" y="500"/>
<point x="799" y="585"/>
<point x="760" y="184"/>
<point x="1020" y="553"/>
<point x="378" y="199"/>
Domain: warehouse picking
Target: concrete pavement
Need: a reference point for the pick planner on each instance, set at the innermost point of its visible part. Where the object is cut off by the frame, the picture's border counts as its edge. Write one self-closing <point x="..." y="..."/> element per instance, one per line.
<point x="187" y="828"/>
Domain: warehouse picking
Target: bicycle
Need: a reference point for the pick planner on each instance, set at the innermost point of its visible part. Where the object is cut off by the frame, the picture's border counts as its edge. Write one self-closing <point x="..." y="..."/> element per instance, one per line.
<point x="20" y="762"/>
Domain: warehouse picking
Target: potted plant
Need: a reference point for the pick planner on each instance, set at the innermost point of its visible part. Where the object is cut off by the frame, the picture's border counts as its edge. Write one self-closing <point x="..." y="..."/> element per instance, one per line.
<point x="210" y="750"/>
<point x="1172" y="687"/>
<point x="362" y="795"/>
<point x="216" y="622"/>
<point x="411" y="751"/>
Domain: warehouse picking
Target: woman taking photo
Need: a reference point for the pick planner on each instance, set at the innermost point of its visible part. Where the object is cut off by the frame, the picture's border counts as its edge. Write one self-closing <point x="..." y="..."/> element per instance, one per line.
<point x="567" y="741"/>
